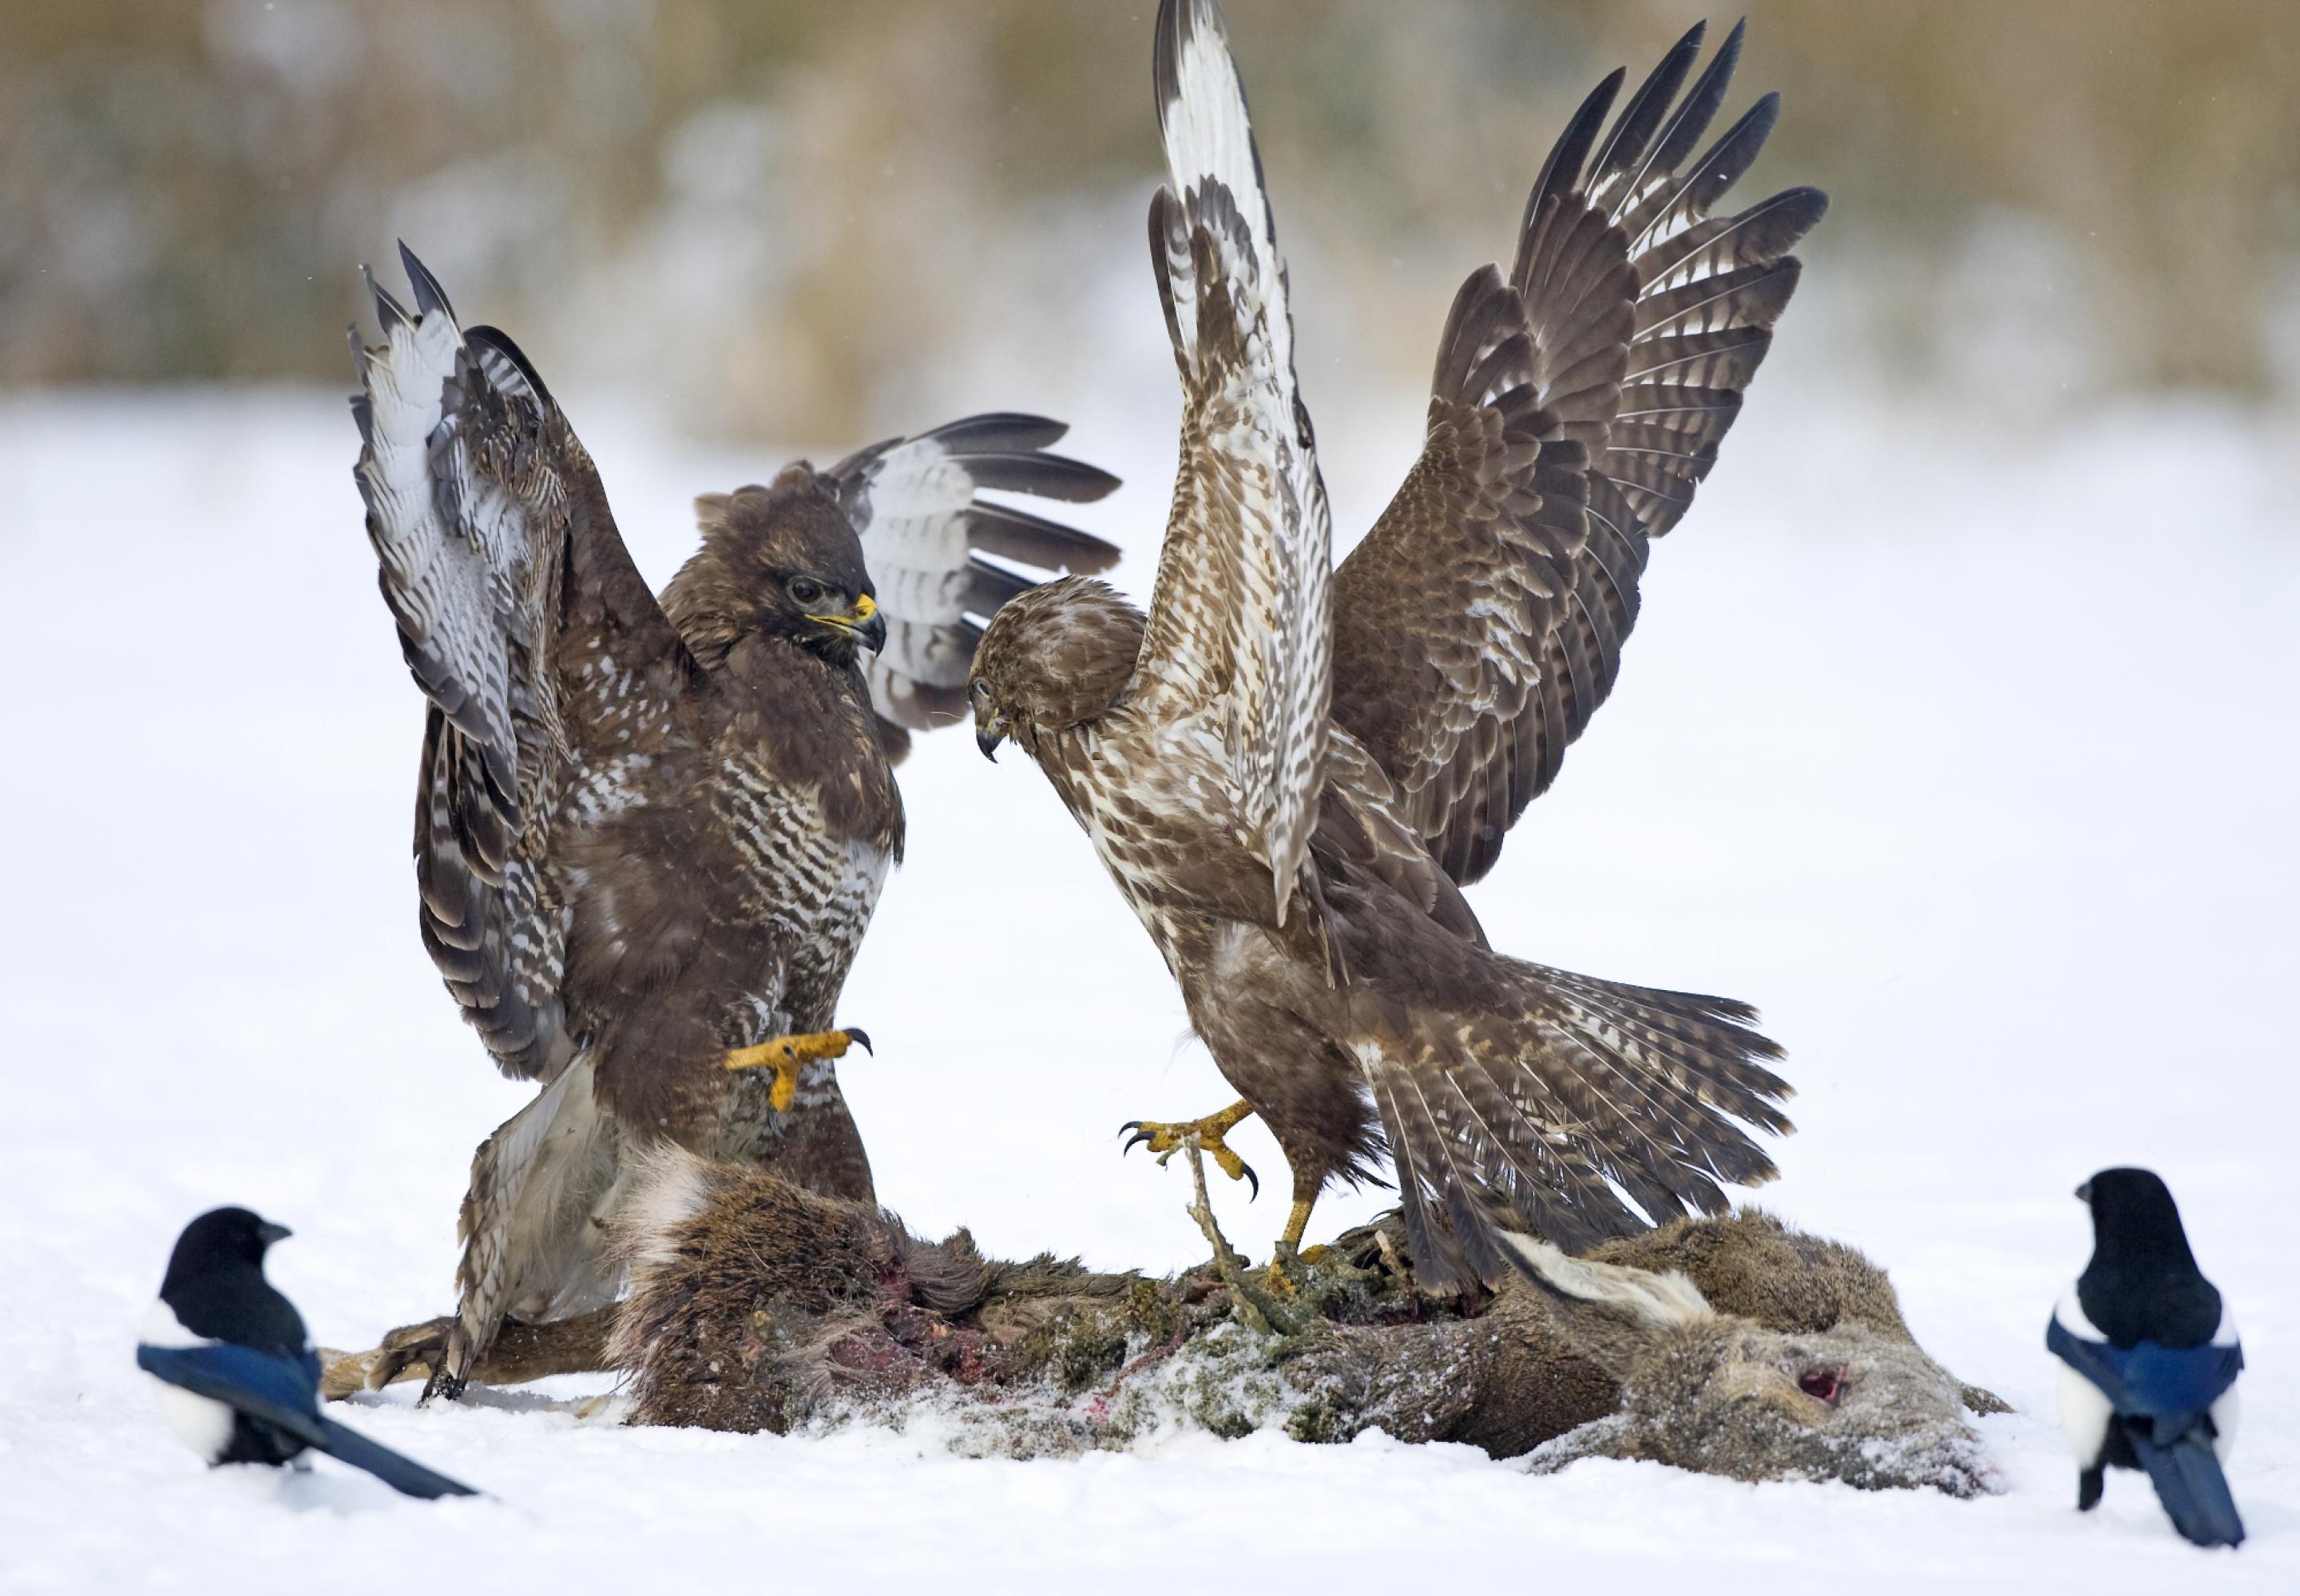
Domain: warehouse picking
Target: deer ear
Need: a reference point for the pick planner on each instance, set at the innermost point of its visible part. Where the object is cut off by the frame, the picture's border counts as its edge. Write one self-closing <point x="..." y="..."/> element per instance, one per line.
<point x="1662" y="1301"/>
<point x="1609" y="1311"/>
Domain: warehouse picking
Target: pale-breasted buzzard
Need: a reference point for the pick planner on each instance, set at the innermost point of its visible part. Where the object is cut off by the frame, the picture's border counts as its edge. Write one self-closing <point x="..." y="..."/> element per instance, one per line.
<point x="649" y="836"/>
<point x="1292" y="771"/>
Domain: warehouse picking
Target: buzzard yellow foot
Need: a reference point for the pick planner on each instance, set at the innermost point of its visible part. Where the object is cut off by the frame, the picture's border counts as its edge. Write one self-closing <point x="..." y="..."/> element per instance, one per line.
<point x="786" y="1055"/>
<point x="1289" y="1256"/>
<point x="1166" y="1140"/>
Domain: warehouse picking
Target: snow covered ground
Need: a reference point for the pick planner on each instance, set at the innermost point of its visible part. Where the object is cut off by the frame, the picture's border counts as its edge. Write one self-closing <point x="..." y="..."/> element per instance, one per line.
<point x="1970" y="756"/>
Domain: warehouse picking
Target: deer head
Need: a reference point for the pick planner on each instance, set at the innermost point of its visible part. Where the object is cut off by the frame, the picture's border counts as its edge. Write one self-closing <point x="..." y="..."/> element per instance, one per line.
<point x="1721" y="1394"/>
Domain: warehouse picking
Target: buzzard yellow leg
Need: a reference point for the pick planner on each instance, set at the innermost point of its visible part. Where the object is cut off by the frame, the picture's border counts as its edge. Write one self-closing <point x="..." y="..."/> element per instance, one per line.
<point x="787" y="1055"/>
<point x="1296" y="1222"/>
<point x="1288" y="1249"/>
<point x="1166" y="1140"/>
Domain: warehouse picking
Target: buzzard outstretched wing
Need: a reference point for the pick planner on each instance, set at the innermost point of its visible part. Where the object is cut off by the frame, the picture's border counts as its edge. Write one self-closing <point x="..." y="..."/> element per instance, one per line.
<point x="925" y="532"/>
<point x="1240" y="622"/>
<point x="1616" y="352"/>
<point x="1442" y="615"/>
<point x="496" y="542"/>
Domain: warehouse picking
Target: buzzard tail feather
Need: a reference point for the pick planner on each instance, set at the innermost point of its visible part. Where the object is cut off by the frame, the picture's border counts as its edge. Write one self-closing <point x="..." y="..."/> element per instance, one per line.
<point x="1588" y="1109"/>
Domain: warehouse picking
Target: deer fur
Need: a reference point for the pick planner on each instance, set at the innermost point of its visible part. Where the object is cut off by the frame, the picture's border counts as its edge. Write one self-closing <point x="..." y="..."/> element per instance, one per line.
<point x="1731" y="1346"/>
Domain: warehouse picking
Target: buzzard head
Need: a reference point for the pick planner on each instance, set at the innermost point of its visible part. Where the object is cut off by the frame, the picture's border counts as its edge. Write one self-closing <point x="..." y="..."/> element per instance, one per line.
<point x="781" y="560"/>
<point x="1052" y="658"/>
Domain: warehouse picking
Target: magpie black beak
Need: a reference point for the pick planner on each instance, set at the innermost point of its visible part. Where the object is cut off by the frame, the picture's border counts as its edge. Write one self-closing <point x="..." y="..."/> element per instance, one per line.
<point x="267" y="1232"/>
<point x="2084" y="1193"/>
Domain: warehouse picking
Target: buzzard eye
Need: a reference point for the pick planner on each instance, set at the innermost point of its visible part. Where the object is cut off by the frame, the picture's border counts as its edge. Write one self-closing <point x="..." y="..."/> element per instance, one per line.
<point x="979" y="688"/>
<point x="805" y="591"/>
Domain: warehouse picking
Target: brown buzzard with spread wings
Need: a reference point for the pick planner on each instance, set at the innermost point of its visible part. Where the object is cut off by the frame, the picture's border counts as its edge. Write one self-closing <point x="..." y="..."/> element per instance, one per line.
<point x="1292" y="771"/>
<point x="649" y="836"/>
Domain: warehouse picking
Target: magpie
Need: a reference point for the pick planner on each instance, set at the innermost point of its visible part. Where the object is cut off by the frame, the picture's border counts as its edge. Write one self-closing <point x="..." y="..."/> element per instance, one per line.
<point x="238" y="1380"/>
<point x="2150" y="1359"/>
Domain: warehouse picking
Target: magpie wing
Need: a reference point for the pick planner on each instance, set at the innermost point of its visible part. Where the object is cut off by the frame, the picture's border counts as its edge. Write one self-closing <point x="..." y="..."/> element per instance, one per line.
<point x="262" y="1385"/>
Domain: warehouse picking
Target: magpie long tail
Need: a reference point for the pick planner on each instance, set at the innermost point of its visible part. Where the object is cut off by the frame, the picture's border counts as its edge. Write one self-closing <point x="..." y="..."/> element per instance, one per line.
<point x="402" y="1474"/>
<point x="2190" y="1484"/>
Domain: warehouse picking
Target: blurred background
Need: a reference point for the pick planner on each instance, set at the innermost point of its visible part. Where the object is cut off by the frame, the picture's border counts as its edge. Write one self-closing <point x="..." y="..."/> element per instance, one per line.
<point x="1957" y="731"/>
<point x="805" y="221"/>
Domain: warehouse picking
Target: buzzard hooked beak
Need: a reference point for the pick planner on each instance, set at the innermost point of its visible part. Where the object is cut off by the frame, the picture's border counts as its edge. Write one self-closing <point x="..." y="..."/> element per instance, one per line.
<point x="863" y="622"/>
<point x="988" y="734"/>
<point x="869" y="625"/>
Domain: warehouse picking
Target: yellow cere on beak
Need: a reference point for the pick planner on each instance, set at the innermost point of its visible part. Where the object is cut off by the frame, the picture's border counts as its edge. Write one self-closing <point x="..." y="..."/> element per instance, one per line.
<point x="861" y="619"/>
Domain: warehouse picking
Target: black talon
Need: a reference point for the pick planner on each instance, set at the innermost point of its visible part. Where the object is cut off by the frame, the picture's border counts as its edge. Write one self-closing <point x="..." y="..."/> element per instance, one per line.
<point x="1133" y="1141"/>
<point x="1252" y="1180"/>
<point x="859" y="1037"/>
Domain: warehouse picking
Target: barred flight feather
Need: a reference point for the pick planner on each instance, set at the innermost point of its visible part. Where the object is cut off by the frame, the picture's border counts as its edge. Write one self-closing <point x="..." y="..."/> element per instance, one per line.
<point x="650" y="833"/>
<point x="1575" y="403"/>
<point x="1240" y="625"/>
<point x="1645" y="317"/>
<point x="916" y="505"/>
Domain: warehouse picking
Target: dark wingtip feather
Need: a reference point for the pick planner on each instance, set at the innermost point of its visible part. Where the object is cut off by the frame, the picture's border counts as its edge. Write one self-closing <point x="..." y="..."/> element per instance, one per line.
<point x="1175" y="23"/>
<point x="1179" y="22"/>
<point x="388" y="311"/>
<point x="1563" y="169"/>
<point x="1699" y="107"/>
<point x="1766" y="112"/>
<point x="1000" y="431"/>
<point x="1634" y="128"/>
<point x="1773" y="226"/>
<point x="484" y="336"/>
<point x="1044" y="476"/>
<point x="429" y="295"/>
<point x="1017" y="535"/>
<point x="989" y="587"/>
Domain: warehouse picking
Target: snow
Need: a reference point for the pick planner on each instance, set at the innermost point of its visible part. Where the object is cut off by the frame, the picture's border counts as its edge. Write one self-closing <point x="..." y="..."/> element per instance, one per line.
<point x="1967" y="751"/>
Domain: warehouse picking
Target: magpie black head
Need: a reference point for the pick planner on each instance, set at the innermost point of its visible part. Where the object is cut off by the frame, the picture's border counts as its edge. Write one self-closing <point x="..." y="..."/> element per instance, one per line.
<point x="2133" y="1214"/>
<point x="2143" y="1283"/>
<point x="215" y="1282"/>
<point x="224" y="1238"/>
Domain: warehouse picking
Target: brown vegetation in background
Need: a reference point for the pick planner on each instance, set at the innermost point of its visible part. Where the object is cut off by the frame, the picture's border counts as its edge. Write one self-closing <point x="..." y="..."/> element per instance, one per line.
<point x="776" y="214"/>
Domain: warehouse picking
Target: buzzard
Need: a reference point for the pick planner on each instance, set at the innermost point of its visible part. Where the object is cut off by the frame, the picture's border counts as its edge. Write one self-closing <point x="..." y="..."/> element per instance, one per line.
<point x="649" y="834"/>
<point x="1292" y="771"/>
